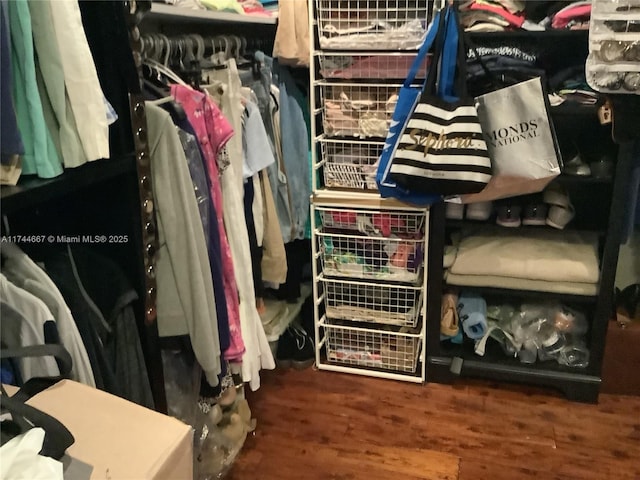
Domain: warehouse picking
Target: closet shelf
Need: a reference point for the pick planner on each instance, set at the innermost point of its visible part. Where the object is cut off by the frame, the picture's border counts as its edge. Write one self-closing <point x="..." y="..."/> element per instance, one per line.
<point x="170" y="13"/>
<point x="521" y="228"/>
<point x="495" y="359"/>
<point x="582" y="180"/>
<point x="529" y="294"/>
<point x="532" y="35"/>
<point x="354" y="198"/>
<point x="32" y="190"/>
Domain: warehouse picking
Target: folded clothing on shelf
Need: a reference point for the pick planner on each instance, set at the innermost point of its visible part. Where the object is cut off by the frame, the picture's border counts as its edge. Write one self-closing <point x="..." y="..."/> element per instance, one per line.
<point x="543" y="256"/>
<point x="569" y="288"/>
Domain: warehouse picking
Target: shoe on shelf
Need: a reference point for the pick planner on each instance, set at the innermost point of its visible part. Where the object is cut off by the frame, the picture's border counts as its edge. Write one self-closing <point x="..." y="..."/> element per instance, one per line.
<point x="454" y="211"/>
<point x="535" y="214"/>
<point x="472" y="310"/>
<point x="576" y="166"/>
<point x="449" y="321"/>
<point x="480" y="211"/>
<point x="509" y="215"/>
<point x="561" y="212"/>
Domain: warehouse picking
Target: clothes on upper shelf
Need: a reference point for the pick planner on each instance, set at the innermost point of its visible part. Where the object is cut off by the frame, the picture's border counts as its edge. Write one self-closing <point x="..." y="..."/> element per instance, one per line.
<point x="501" y="15"/>
<point x="241" y="7"/>
<point x="291" y="45"/>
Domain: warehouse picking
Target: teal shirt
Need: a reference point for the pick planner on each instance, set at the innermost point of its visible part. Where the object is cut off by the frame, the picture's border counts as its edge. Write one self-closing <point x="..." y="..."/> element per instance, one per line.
<point x="40" y="155"/>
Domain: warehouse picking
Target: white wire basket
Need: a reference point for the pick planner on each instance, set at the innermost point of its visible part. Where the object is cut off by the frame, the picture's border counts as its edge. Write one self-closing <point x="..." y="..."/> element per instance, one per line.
<point x="361" y="110"/>
<point x="358" y="256"/>
<point x="376" y="223"/>
<point x="396" y="350"/>
<point x="350" y="163"/>
<point x="372" y="302"/>
<point x="372" y="24"/>
<point x="372" y="65"/>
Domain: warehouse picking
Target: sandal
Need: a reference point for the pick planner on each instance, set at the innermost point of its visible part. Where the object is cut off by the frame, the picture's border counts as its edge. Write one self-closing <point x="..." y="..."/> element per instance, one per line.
<point x="449" y="321"/>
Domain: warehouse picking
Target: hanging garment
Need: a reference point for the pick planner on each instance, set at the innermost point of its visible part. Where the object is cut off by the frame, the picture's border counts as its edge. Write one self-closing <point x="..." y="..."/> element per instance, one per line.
<point x="24" y="273"/>
<point x="91" y="324"/>
<point x="81" y="80"/>
<point x="203" y="115"/>
<point x="55" y="102"/>
<point x="107" y="33"/>
<point x="93" y="272"/>
<point x="258" y="353"/>
<point x="185" y="304"/>
<point x="231" y="343"/>
<point x="291" y="45"/>
<point x="257" y="208"/>
<point x="274" y="256"/>
<point x="12" y="145"/>
<point x="40" y="155"/>
<point x="27" y="321"/>
<point x="295" y="147"/>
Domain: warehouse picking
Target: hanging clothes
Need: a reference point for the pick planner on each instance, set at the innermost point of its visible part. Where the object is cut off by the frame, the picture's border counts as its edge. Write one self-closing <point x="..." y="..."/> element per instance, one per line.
<point x="12" y="146"/>
<point x="40" y="156"/>
<point x="213" y="132"/>
<point x="27" y="321"/>
<point x="185" y="301"/>
<point x="81" y="79"/>
<point x="258" y="354"/>
<point x="55" y="101"/>
<point x="24" y="273"/>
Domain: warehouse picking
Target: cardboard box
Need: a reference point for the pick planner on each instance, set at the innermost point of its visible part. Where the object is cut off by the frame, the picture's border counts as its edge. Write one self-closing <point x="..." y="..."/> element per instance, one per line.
<point x="119" y="439"/>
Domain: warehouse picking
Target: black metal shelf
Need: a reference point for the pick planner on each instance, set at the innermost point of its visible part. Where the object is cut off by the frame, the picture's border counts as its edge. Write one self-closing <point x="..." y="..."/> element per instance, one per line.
<point x="491" y="223"/>
<point x="577" y="383"/>
<point x="566" y="179"/>
<point x="32" y="190"/>
<point x="550" y="34"/>
<point x="530" y="294"/>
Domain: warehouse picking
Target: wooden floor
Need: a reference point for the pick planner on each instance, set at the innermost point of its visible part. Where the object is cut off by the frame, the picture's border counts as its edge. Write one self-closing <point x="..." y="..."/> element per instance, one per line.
<point x="331" y="426"/>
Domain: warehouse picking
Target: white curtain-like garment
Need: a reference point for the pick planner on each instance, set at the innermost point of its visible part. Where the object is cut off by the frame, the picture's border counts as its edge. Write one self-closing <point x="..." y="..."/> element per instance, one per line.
<point x="81" y="79"/>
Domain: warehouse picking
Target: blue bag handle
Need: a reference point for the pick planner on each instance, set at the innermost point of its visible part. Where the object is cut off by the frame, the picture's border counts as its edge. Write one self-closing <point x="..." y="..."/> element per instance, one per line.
<point x="450" y="58"/>
<point x="424" y="49"/>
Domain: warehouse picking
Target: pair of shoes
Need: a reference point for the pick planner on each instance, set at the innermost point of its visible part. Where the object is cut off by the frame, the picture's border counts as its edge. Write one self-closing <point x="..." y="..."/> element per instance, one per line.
<point x="480" y="211"/>
<point x="513" y="215"/>
<point x="561" y="211"/>
<point x="295" y="349"/>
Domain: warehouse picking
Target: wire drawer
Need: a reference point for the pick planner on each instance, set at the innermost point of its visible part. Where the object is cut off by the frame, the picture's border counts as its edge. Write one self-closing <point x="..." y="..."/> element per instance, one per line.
<point x="396" y="350"/>
<point x="372" y="244"/>
<point x="372" y="24"/>
<point x="350" y="163"/>
<point x="387" y="223"/>
<point x="358" y="110"/>
<point x="373" y="65"/>
<point x="372" y="302"/>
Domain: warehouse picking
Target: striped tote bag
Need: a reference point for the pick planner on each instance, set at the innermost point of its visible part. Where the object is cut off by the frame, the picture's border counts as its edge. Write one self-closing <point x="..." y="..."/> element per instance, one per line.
<point x="441" y="149"/>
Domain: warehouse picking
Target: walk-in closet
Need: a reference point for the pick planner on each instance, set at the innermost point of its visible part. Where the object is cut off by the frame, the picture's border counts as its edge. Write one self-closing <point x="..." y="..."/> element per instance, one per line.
<point x="311" y="239"/>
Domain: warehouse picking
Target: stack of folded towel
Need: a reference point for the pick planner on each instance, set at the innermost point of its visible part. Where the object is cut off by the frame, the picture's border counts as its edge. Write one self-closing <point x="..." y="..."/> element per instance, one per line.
<point x="542" y="261"/>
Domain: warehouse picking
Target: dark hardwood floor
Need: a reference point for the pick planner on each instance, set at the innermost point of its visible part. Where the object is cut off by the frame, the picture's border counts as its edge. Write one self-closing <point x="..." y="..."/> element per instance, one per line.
<point x="331" y="426"/>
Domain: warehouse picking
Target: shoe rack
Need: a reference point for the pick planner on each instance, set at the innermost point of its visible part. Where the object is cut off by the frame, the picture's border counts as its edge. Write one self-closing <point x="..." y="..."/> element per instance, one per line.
<point x="369" y="253"/>
<point x="587" y="198"/>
